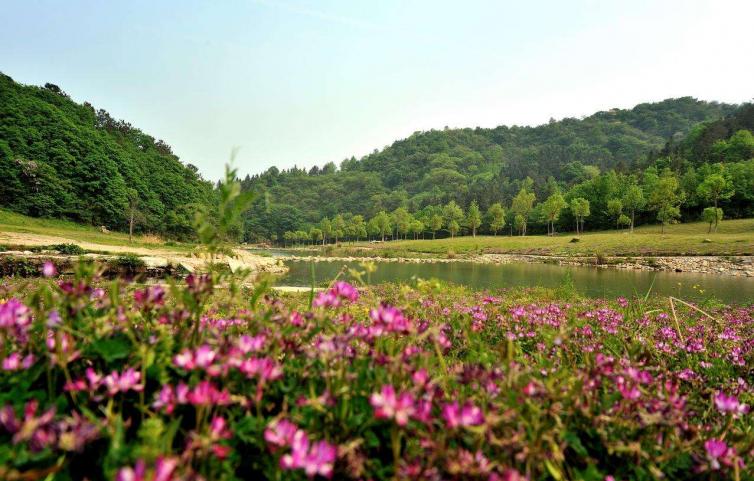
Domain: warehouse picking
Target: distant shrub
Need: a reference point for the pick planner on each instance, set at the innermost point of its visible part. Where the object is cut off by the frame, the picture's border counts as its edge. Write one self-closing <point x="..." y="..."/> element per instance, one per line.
<point x="18" y="266"/>
<point x="68" y="249"/>
<point x="574" y="240"/>
<point x="128" y="262"/>
<point x="451" y="254"/>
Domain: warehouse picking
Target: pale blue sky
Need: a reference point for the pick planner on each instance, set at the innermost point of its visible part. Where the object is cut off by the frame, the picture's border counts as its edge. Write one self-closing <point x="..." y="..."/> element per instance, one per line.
<point x="306" y="82"/>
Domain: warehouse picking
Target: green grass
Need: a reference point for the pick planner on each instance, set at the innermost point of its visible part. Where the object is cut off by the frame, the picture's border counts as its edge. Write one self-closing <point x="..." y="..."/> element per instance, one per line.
<point x="18" y="223"/>
<point x="734" y="237"/>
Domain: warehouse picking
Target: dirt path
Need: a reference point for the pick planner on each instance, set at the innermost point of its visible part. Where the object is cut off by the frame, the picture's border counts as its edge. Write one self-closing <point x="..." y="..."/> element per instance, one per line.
<point x="153" y="257"/>
<point x="31" y="240"/>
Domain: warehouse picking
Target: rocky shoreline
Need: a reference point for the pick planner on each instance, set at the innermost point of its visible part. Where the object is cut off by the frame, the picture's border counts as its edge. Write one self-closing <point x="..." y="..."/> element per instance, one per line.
<point x="741" y="266"/>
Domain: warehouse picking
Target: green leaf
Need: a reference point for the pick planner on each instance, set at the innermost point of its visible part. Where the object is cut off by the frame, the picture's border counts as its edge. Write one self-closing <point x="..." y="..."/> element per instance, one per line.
<point x="112" y="349"/>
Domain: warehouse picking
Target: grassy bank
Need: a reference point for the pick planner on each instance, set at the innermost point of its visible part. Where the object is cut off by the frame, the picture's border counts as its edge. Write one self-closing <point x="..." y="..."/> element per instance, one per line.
<point x="734" y="237"/>
<point x="17" y="229"/>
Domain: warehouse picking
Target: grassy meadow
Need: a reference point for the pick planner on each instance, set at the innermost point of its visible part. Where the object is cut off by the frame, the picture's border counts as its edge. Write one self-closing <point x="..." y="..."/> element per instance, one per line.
<point x="734" y="237"/>
<point x="18" y="229"/>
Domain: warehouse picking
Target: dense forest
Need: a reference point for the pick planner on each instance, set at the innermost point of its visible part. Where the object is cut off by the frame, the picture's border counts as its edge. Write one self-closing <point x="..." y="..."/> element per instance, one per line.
<point x="66" y="160"/>
<point x="597" y="159"/>
<point x="657" y="162"/>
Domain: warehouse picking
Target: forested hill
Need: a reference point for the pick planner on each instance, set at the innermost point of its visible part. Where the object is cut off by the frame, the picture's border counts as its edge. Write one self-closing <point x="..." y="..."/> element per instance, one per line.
<point x="62" y="159"/>
<point x="486" y="165"/>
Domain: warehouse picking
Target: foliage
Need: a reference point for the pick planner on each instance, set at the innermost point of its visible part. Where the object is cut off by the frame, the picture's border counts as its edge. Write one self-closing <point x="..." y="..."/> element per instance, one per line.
<point x="429" y="169"/>
<point x="64" y="160"/>
<point x="105" y="381"/>
<point x="68" y="249"/>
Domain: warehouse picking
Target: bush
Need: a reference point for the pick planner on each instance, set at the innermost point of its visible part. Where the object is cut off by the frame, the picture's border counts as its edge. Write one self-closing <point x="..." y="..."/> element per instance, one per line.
<point x="129" y="263"/>
<point x="68" y="249"/>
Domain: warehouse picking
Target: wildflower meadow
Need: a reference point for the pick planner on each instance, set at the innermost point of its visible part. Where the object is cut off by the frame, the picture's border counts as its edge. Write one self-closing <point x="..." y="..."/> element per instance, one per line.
<point x="194" y="380"/>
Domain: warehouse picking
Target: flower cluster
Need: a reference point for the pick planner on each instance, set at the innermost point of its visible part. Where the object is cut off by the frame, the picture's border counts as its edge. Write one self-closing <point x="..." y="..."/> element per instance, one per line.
<point x="142" y="383"/>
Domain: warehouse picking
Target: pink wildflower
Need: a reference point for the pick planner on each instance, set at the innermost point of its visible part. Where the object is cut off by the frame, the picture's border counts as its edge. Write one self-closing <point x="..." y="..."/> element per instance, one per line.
<point x="48" y="269"/>
<point x="387" y="405"/>
<point x="279" y="433"/>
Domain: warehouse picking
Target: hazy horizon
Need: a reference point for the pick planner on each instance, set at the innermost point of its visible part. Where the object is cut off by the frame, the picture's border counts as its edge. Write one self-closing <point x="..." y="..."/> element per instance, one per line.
<point x="305" y="83"/>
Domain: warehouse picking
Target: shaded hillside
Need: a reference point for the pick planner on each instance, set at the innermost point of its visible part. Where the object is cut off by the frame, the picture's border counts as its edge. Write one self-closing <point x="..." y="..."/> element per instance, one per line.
<point x="66" y="160"/>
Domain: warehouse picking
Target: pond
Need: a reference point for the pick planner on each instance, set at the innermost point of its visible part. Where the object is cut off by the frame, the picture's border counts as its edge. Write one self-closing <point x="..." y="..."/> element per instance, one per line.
<point x="589" y="281"/>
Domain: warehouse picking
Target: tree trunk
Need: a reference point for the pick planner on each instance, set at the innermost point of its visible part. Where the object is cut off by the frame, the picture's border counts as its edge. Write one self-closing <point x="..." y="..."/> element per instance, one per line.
<point x="716" y="215"/>
<point x="632" y="221"/>
<point x="131" y="228"/>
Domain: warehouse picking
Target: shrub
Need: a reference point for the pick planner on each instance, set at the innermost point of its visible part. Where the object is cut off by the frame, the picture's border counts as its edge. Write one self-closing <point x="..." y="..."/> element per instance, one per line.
<point x="130" y="263"/>
<point x="68" y="249"/>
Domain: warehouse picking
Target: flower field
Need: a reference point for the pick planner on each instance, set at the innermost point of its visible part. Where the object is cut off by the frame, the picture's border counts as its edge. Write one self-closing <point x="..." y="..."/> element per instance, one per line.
<point x="188" y="381"/>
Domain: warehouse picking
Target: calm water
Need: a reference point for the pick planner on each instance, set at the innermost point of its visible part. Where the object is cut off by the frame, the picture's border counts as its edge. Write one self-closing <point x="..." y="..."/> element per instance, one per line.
<point x="590" y="281"/>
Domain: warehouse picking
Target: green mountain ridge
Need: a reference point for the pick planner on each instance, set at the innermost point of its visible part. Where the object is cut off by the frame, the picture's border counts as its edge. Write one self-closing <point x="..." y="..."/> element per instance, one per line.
<point x="61" y="159"/>
<point x="487" y="165"/>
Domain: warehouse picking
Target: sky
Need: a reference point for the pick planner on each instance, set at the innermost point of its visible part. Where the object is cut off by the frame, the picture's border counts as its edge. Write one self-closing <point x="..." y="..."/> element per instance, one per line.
<point x="296" y="82"/>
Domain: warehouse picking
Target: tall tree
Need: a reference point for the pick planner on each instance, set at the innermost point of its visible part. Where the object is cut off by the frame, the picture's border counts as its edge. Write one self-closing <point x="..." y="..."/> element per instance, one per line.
<point x="435" y="224"/>
<point x="615" y="209"/>
<point x="473" y="218"/>
<point x="551" y="209"/>
<point x="401" y="221"/>
<point x="496" y="215"/>
<point x="382" y="220"/>
<point x="338" y="227"/>
<point x="665" y="198"/>
<point x="522" y="205"/>
<point x="634" y="201"/>
<point x="712" y="215"/>
<point x="580" y="210"/>
<point x="714" y="188"/>
<point x="326" y="227"/>
<point x="453" y="215"/>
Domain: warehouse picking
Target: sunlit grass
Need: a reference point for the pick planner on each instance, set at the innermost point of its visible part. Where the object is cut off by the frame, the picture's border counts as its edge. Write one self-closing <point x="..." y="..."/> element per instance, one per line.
<point x="734" y="237"/>
<point x="18" y="223"/>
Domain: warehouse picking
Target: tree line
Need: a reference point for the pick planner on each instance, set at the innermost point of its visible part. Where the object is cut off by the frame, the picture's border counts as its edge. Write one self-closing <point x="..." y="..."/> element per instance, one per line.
<point x="655" y="195"/>
<point x="492" y="166"/>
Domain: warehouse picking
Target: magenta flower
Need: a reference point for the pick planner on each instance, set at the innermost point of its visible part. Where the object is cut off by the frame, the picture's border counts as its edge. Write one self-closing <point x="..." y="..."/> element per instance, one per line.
<point x="387" y="405"/>
<point x="249" y="344"/>
<point x="391" y="318"/>
<point x="279" y="433"/>
<point x="163" y="471"/>
<point x="467" y="415"/>
<point x="165" y="399"/>
<point x="729" y="404"/>
<point x="184" y="360"/>
<point x="345" y="290"/>
<point x="319" y="459"/>
<point x="204" y="356"/>
<point x="218" y="428"/>
<point x="336" y="294"/>
<point x="717" y="450"/>
<point x="129" y="473"/>
<point x="152" y="296"/>
<point x="164" y="468"/>
<point x="48" y="269"/>
<point x="299" y="449"/>
<point x="129" y="380"/>
<point x="530" y="389"/>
